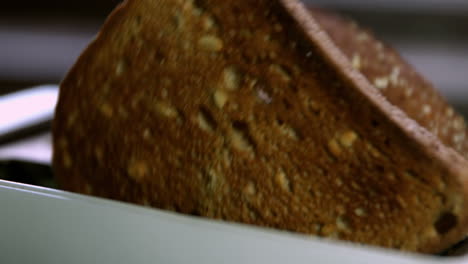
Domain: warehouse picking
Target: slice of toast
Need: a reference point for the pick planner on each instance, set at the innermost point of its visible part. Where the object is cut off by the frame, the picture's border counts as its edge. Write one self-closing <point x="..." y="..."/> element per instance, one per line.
<point x="247" y="111"/>
<point x="396" y="79"/>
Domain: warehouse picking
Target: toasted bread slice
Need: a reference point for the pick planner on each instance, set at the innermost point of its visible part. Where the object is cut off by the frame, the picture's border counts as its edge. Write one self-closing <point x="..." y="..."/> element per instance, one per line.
<point x="247" y="111"/>
<point x="396" y="79"/>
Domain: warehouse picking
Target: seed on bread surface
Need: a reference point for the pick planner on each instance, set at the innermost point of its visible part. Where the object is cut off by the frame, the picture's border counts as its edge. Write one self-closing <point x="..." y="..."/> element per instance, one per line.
<point x="210" y="43"/>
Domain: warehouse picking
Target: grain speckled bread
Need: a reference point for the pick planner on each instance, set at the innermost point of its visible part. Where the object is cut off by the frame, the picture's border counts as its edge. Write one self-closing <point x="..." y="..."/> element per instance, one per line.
<point x="396" y="80"/>
<point x="248" y="111"/>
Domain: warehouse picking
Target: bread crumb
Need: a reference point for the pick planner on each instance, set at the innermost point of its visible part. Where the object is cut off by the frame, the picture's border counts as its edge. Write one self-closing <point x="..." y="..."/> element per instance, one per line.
<point x="362" y="37"/>
<point x="283" y="181"/>
<point x="401" y="201"/>
<point x="379" y="46"/>
<point x="204" y="122"/>
<point x="409" y="92"/>
<point x="231" y="78"/>
<point x="458" y="138"/>
<point x="373" y="151"/>
<point x="348" y="138"/>
<point x="227" y="158"/>
<point x="458" y="124"/>
<point x="120" y="67"/>
<point x="240" y="142"/>
<point x="338" y="182"/>
<point x="360" y="212"/>
<point x="210" y="43"/>
<point x="137" y="169"/>
<point x="356" y="61"/>
<point x="342" y="223"/>
<point x="208" y="23"/>
<point x="281" y="72"/>
<point x="426" y="110"/>
<point x="220" y="98"/>
<point x="166" y="110"/>
<point x="289" y="132"/>
<point x="381" y="83"/>
<point x="250" y="189"/>
<point x="334" y="148"/>
<point x="328" y="230"/>
<point x="391" y="176"/>
<point x="317" y="228"/>
<point x="164" y="93"/>
<point x="355" y="185"/>
<point x="431" y="232"/>
<point x="395" y="75"/>
<point x="147" y="134"/>
<point x="213" y="178"/>
<point x="449" y="112"/>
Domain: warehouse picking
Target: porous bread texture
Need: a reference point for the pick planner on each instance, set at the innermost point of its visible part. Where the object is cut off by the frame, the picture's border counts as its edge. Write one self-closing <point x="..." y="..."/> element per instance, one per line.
<point x="246" y="111"/>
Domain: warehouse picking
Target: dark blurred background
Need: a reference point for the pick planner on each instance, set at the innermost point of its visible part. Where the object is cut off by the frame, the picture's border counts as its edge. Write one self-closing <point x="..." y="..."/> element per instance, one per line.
<point x="39" y="40"/>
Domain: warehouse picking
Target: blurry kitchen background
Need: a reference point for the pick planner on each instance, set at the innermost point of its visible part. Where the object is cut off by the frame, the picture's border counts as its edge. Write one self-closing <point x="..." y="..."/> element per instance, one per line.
<point x="40" y="40"/>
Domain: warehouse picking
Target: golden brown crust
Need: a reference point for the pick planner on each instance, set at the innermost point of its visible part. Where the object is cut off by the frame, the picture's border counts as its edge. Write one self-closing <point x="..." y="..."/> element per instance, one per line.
<point x="246" y="111"/>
